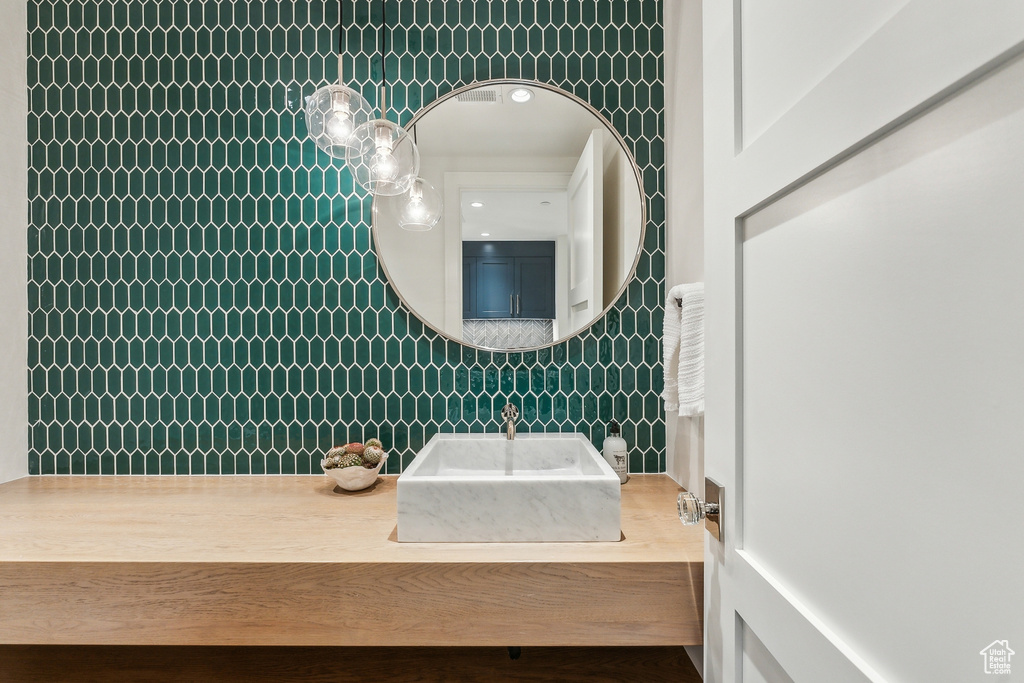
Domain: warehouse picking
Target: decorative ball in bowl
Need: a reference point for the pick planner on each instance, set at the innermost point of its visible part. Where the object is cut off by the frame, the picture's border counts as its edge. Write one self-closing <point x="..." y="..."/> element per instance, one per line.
<point x="355" y="466"/>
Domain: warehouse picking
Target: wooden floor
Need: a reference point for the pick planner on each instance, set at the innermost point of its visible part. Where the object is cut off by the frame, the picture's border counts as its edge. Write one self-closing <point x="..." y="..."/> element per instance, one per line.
<point x="147" y="664"/>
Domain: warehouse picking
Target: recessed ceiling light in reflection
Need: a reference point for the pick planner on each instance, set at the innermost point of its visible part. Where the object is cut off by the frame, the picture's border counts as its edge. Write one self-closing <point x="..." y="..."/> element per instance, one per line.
<point x="476" y="205"/>
<point x="521" y="95"/>
<point x="485" y="234"/>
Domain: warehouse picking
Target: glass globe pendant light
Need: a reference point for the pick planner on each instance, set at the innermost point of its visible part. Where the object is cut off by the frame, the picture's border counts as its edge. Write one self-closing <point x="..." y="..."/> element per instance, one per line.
<point x="334" y="111"/>
<point x="332" y="114"/>
<point x="417" y="210"/>
<point x="423" y="206"/>
<point x="381" y="155"/>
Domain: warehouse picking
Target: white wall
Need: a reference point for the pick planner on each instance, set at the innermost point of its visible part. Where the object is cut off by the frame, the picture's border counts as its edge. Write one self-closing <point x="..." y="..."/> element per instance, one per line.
<point x="611" y="220"/>
<point x="415" y="260"/>
<point x="561" y="325"/>
<point x="684" y="195"/>
<point x="13" y="245"/>
<point x="621" y="218"/>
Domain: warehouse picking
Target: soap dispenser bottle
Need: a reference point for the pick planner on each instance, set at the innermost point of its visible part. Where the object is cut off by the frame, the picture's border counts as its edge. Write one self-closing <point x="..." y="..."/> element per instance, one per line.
<point x="614" y="452"/>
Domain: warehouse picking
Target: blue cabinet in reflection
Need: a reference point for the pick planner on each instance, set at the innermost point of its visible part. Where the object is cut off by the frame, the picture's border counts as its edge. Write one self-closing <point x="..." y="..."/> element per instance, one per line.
<point x="508" y="280"/>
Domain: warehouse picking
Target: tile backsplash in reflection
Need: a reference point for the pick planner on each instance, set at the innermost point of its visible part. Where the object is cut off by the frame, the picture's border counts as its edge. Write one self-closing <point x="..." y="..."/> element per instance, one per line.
<point x="519" y="333"/>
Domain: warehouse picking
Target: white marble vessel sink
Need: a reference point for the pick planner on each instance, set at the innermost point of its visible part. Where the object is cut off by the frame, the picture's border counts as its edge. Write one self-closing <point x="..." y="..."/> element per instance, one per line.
<point x="483" y="487"/>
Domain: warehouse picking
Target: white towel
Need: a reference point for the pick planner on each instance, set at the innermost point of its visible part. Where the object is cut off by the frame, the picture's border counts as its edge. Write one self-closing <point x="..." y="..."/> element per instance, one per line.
<point x="684" y="349"/>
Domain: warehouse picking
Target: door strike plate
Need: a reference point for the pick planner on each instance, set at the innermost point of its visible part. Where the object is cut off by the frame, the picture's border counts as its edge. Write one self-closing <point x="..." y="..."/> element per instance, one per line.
<point x="714" y="498"/>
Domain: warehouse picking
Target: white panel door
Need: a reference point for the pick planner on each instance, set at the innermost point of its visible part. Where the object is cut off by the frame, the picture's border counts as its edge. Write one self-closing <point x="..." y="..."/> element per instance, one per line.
<point x="864" y="169"/>
<point x="586" y="235"/>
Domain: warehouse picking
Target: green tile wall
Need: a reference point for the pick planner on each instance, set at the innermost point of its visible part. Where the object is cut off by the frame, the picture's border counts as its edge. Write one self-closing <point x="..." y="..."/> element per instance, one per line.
<point x="204" y="296"/>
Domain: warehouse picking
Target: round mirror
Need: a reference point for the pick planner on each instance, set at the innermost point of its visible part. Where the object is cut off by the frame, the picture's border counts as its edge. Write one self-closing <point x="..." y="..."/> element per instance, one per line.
<point x="542" y="217"/>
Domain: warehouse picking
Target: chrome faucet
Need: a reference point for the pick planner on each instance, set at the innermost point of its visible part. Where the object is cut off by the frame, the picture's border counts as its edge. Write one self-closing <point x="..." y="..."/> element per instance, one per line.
<point x="510" y="414"/>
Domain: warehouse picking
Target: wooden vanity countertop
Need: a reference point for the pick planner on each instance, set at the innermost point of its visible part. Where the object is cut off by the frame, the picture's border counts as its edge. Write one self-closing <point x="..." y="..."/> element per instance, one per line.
<point x="290" y="560"/>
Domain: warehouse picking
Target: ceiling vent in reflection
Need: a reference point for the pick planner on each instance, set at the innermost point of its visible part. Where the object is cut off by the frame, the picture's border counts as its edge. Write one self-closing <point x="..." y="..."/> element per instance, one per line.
<point x="481" y="95"/>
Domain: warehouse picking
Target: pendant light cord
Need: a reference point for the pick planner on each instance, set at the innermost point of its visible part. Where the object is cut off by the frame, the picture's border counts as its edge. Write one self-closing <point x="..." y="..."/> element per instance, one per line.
<point x="383" y="48"/>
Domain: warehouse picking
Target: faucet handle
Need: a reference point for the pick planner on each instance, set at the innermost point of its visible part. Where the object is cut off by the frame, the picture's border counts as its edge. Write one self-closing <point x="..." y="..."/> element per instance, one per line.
<point x="509" y="412"/>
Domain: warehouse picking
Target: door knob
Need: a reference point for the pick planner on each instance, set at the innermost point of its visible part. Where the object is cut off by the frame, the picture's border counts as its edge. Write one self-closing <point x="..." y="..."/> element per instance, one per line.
<point x="692" y="509"/>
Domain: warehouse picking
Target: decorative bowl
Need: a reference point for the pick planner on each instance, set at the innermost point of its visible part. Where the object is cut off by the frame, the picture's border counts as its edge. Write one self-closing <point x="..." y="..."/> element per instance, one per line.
<point x="355" y="478"/>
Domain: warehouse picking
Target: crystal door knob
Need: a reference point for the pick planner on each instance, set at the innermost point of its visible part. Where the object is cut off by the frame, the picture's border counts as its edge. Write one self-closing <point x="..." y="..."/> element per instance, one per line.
<point x="692" y="510"/>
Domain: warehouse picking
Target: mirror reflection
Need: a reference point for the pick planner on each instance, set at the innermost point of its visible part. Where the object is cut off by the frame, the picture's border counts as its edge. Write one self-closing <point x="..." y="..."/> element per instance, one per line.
<point x="542" y="218"/>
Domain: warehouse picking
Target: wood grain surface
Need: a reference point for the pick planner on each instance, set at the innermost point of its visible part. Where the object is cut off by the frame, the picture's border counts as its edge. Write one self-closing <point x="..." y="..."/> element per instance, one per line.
<point x="291" y="561"/>
<point x="107" y="664"/>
